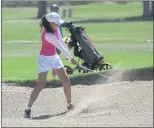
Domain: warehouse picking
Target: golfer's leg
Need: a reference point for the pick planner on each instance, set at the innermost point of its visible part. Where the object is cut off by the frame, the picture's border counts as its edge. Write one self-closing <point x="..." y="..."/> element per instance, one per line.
<point x="61" y="73"/>
<point x="40" y="85"/>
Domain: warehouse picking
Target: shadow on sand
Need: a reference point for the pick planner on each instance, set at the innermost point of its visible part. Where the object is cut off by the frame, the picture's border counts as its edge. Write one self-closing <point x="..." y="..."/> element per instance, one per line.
<point x="41" y="117"/>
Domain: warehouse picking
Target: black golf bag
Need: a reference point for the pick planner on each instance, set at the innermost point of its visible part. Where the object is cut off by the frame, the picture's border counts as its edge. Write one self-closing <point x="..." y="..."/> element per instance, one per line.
<point x="84" y="49"/>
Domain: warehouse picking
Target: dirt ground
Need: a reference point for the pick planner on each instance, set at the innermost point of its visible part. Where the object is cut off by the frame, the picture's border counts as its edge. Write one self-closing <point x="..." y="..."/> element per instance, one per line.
<point x="128" y="103"/>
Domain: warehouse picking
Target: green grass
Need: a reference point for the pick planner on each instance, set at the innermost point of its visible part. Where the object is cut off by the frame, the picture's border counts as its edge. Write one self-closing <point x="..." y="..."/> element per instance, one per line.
<point x="94" y="10"/>
<point x="19" y="60"/>
<point x="17" y="30"/>
<point x="19" y="12"/>
<point x="26" y="67"/>
<point x="130" y="59"/>
<point x="19" y="67"/>
<point x="100" y="10"/>
<point x="129" y="32"/>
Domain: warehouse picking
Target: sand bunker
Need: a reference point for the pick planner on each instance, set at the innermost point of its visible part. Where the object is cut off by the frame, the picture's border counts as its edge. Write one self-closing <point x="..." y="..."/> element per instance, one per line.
<point x="112" y="104"/>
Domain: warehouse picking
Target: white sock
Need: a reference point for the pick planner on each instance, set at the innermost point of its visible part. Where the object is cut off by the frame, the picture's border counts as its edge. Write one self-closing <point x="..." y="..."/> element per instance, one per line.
<point x="28" y="108"/>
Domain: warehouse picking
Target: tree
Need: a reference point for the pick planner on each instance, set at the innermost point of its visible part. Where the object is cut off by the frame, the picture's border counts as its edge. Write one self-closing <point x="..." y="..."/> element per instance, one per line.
<point x="146" y="8"/>
<point x="41" y="8"/>
<point x="152" y="4"/>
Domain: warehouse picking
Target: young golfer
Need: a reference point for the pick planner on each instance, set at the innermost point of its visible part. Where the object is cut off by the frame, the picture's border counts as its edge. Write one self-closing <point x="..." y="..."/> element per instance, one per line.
<point x="48" y="59"/>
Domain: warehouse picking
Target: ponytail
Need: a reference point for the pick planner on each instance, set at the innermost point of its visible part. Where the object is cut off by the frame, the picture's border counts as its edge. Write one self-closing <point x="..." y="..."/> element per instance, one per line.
<point x="44" y="23"/>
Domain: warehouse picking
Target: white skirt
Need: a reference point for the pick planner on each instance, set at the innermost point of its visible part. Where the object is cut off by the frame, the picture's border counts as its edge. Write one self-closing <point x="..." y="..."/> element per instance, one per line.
<point x="46" y="63"/>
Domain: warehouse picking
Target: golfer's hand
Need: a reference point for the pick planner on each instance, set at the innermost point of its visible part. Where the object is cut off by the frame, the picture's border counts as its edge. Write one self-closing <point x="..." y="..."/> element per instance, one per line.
<point x="73" y="61"/>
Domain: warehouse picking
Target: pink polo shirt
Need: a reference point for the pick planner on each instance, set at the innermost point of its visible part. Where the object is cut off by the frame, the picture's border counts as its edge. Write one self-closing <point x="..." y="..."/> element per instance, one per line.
<point x="47" y="49"/>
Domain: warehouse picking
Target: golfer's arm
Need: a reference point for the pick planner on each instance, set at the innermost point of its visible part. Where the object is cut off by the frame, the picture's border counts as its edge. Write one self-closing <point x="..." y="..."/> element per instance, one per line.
<point x="52" y="39"/>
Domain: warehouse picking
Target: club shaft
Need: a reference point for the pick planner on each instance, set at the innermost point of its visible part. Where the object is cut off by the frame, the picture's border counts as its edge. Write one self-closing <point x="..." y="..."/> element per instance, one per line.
<point x="95" y="72"/>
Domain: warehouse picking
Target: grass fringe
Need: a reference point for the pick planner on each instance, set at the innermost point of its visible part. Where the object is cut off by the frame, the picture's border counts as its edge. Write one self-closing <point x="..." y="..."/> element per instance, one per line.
<point x="89" y="78"/>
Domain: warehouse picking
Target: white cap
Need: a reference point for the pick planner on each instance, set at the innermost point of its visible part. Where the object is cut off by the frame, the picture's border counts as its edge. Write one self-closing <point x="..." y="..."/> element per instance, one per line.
<point x="54" y="17"/>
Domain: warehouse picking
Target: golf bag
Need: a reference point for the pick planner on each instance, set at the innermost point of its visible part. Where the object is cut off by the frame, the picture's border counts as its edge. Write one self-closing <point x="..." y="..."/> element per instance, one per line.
<point x="84" y="50"/>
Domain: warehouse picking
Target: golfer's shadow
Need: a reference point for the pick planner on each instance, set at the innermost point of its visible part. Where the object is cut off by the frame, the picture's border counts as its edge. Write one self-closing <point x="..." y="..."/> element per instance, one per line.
<point x="48" y="116"/>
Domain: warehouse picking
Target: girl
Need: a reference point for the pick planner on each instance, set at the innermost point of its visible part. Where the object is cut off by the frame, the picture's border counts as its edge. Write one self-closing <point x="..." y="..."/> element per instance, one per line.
<point x="48" y="59"/>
